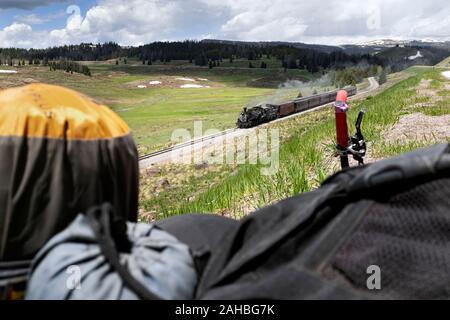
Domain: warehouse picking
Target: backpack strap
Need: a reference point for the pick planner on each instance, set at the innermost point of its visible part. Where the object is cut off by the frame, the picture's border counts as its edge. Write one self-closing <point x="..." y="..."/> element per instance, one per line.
<point x="100" y="221"/>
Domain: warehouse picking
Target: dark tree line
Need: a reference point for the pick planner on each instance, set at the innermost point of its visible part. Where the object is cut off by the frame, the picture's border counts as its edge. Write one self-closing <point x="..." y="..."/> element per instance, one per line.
<point x="70" y="66"/>
<point x="212" y="54"/>
<point x="81" y="52"/>
<point x="200" y="53"/>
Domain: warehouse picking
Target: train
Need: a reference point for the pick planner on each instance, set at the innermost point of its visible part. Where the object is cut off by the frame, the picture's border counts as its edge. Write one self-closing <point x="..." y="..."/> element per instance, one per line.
<point x="266" y="112"/>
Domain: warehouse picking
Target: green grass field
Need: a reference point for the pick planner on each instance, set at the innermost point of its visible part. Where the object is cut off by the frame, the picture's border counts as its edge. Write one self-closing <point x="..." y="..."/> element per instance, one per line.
<point x="272" y="63"/>
<point x="164" y="110"/>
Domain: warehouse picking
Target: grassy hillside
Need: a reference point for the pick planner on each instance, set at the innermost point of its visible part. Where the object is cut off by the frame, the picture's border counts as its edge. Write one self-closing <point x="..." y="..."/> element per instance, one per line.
<point x="444" y="63"/>
<point x="306" y="154"/>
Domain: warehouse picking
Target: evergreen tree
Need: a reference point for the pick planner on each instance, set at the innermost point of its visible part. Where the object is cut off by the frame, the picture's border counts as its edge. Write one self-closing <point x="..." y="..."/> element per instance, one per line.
<point x="70" y="67"/>
<point x="201" y="60"/>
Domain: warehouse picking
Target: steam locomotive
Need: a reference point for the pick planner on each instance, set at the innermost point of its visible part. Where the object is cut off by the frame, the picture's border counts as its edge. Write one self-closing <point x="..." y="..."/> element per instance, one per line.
<point x="265" y="112"/>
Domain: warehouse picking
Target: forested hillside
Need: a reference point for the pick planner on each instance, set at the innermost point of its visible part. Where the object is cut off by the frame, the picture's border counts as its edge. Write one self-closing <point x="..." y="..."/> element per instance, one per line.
<point x="199" y="53"/>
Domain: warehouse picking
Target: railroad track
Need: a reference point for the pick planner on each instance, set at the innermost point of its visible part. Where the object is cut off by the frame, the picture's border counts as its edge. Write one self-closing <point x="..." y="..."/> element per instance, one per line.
<point x="373" y="85"/>
<point x="186" y="144"/>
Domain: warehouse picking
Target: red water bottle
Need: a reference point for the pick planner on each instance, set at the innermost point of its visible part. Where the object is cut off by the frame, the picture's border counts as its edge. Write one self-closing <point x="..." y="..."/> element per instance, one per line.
<point x="341" y="108"/>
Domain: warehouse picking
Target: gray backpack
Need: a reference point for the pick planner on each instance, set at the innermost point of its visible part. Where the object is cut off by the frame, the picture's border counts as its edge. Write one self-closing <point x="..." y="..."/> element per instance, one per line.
<point x="99" y="258"/>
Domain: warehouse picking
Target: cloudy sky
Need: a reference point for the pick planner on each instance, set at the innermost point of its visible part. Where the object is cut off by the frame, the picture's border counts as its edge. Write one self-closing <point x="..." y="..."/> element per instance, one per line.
<point x="43" y="23"/>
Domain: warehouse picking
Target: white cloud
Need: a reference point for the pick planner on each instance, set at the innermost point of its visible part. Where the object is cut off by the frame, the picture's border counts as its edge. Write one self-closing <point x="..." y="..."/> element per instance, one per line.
<point x="264" y="20"/>
<point x="136" y="22"/>
<point x="16" y="35"/>
<point x="241" y="27"/>
<point x="336" y="21"/>
<point x="17" y="29"/>
<point x="128" y="23"/>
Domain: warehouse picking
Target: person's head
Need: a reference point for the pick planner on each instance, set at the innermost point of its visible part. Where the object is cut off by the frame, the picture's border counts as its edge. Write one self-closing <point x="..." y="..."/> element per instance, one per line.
<point x="60" y="154"/>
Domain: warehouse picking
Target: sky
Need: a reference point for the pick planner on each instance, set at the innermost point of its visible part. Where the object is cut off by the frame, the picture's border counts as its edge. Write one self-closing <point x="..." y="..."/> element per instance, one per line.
<point x="46" y="23"/>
